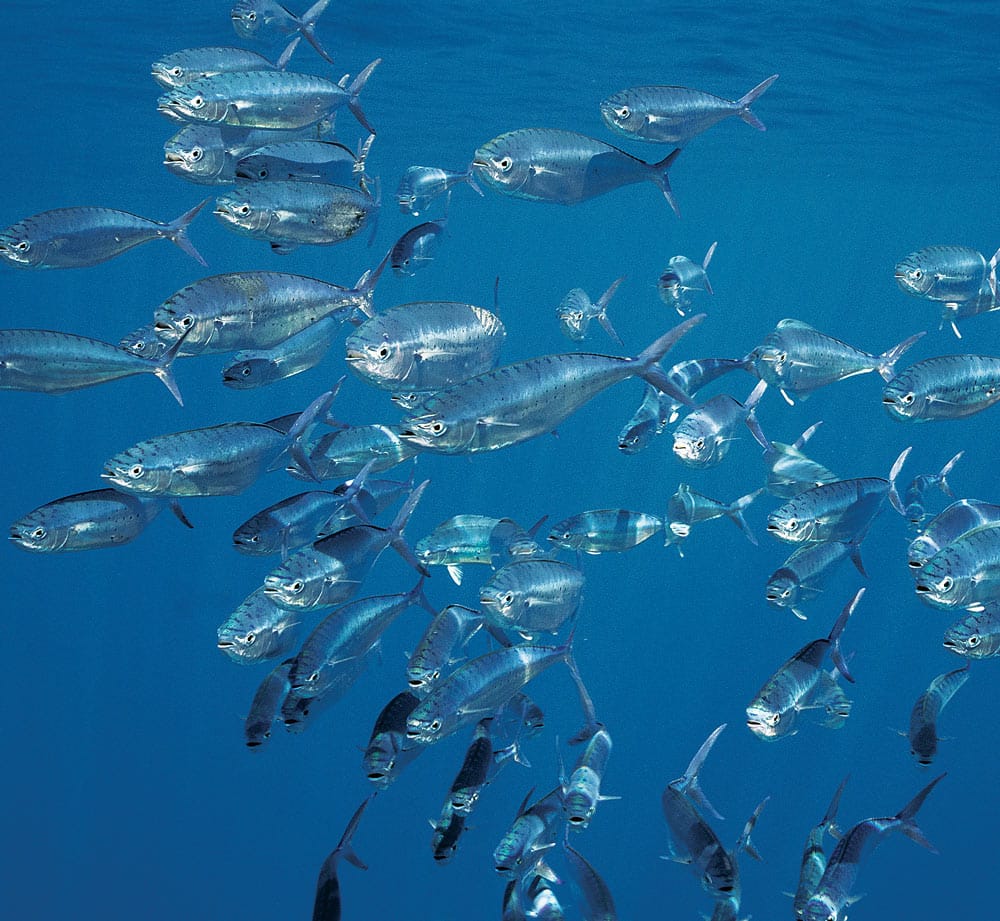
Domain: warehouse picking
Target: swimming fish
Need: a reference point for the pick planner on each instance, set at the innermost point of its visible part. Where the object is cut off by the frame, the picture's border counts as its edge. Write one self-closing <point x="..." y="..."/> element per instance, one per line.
<point x="71" y="238"/>
<point x="563" y="167"/>
<point x="415" y="249"/>
<point x="532" y="832"/>
<point x="957" y="519"/>
<point x="814" y="857"/>
<point x="474" y="773"/>
<point x="804" y="574"/>
<point x="945" y="387"/>
<point x="264" y="707"/>
<point x="260" y="18"/>
<point x="447" y="831"/>
<point x="326" y="906"/>
<point x="790" y="471"/>
<point x="304" y="160"/>
<point x="687" y="507"/>
<point x="299" y="352"/>
<point x="924" y="716"/>
<point x="581" y="792"/>
<point x="702" y="438"/>
<point x="388" y="752"/>
<point x="842" y="510"/>
<point x="947" y="273"/>
<point x="182" y="67"/>
<point x="420" y="185"/>
<point x="532" y="596"/>
<point x="913" y="498"/>
<point x="682" y="278"/>
<point x="976" y="635"/>
<point x="606" y="530"/>
<point x="576" y="310"/>
<point x="258" y="629"/>
<point x="598" y="905"/>
<point x="452" y="627"/>
<point x="964" y="573"/>
<point x="675" y="114"/>
<point x="344" y="453"/>
<point x="516" y="402"/>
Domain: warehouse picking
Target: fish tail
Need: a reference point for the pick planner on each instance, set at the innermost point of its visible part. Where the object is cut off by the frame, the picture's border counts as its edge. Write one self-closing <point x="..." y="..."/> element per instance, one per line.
<point x="943" y="484"/>
<point x="649" y="370"/>
<point x="706" y="261"/>
<point x="905" y="815"/>
<point x="689" y="782"/>
<point x="602" y="307"/>
<point x="751" y="419"/>
<point x="344" y="848"/>
<point x="286" y="55"/>
<point x="358" y="483"/>
<point x="895" y="470"/>
<point x="854" y="552"/>
<point x="735" y="513"/>
<point x="831" y="810"/>
<point x="315" y="410"/>
<point x="355" y="89"/>
<point x="745" y="844"/>
<point x="744" y="103"/>
<point x="660" y="174"/>
<point x="176" y="232"/>
<point x="591" y="724"/>
<point x="417" y="593"/>
<point x="163" y="368"/>
<point x="838" y="628"/>
<point x="365" y="287"/>
<point x="397" y="540"/>
<point x="887" y="360"/>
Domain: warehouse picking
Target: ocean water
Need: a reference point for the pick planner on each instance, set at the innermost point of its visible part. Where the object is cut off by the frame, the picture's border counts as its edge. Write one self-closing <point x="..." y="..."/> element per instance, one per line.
<point x="128" y="791"/>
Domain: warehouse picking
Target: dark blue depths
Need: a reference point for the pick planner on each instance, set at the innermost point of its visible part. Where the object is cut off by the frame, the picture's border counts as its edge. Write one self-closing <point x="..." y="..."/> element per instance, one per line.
<point x="126" y="778"/>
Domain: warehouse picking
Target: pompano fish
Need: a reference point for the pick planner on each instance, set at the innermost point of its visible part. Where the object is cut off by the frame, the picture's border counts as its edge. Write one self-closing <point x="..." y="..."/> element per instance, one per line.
<point x="686" y="508"/>
<point x="144" y="342"/>
<point x="420" y="185"/>
<point x="576" y="310"/>
<point x="425" y="345"/>
<point x="964" y="573"/>
<point x="387" y="752"/>
<point x="299" y="352"/>
<point x="288" y="214"/>
<point x="945" y="387"/>
<point x="344" y="453"/>
<point x="474" y="773"/>
<point x="182" y="67"/>
<point x="532" y="596"/>
<point x="924" y="715"/>
<point x="415" y="249"/>
<point x="803" y="575"/>
<point x="452" y="627"/>
<point x="258" y="629"/>
<point x="264" y="707"/>
<point x="447" y="832"/>
<point x="532" y="832"/>
<point x="957" y="519"/>
<point x="682" y="278"/>
<point x="841" y="510"/>
<point x="800" y="683"/>
<point x="675" y="114"/>
<point x="262" y="18"/>
<point x="814" y="857"/>
<point x="947" y="273"/>
<point x="976" y="635"/>
<point x="581" y="792"/>
<point x="563" y="167"/>
<point x="790" y="471"/>
<point x="798" y="359"/>
<point x="305" y="160"/>
<point x="265" y="99"/>
<point x="71" y="238"/>
<point x="913" y="498"/>
<point x="87" y="521"/>
<point x="606" y="530"/>
<point x="702" y="438"/>
<point x="326" y="906"/>
<point x="834" y="893"/>
<point x="514" y="403"/>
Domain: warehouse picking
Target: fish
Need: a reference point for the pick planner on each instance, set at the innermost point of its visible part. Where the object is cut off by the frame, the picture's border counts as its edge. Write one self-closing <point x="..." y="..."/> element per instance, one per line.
<point x="563" y="167"/>
<point x="288" y="214"/>
<point x="924" y="715"/>
<point x="180" y="67"/>
<point x="913" y="497"/>
<point x="257" y="310"/>
<point x="89" y="520"/>
<point x="842" y="510"/>
<point x="952" y="312"/>
<point x="326" y="906"/>
<point x="304" y="160"/>
<point x="801" y="684"/>
<point x="576" y="310"/>
<point x="532" y="832"/>
<point x="265" y="99"/>
<point x="964" y="573"/>
<point x="834" y="892"/>
<point x="447" y="831"/>
<point x="648" y="421"/>
<point x="948" y="273"/>
<point x="258" y="629"/>
<point x="345" y="452"/>
<point x="814" y="857"/>
<point x="387" y="752"/>
<point x="581" y="792"/>
<point x="331" y="569"/>
<point x="790" y="471"/>
<point x="474" y="773"/>
<point x="687" y="507"/>
<point x="415" y="249"/>
<point x="425" y="345"/>
<point x="516" y="402"/>
<point x="945" y="387"/>
<point x="605" y="530"/>
<point x="957" y="519"/>
<point x="532" y="596"/>
<point x="261" y="18"/>
<point x="798" y="359"/>
<point x="682" y="278"/>
<point x="452" y="627"/>
<point x="804" y="574"/>
<point x="702" y="438"/>
<point x="298" y="711"/>
<point x="144" y="342"/>
<point x="514" y="722"/>
<point x="598" y="905"/>
<point x="72" y="238"/>
<point x="301" y="351"/>
<point x="420" y="185"/>
<point x="977" y="635"/>
<point x="264" y="708"/>
<point x="675" y="114"/>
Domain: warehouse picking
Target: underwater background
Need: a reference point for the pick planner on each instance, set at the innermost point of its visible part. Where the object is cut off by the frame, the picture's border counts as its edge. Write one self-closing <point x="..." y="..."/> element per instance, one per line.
<point x="128" y="790"/>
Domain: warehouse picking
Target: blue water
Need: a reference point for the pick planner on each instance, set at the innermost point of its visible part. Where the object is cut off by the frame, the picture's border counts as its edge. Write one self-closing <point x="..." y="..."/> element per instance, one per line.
<point x="128" y="791"/>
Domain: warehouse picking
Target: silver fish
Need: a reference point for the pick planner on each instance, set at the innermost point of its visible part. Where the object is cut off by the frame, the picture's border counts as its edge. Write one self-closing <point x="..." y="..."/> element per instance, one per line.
<point x="800" y="683"/>
<point x="924" y="715"/>
<point x="144" y="342"/>
<point x="675" y="114"/>
<point x="344" y="453"/>
<point x="976" y="635"/>
<point x="87" y="521"/>
<point x="415" y="249"/>
<point x="964" y="573"/>
<point x="648" y="421"/>
<point x="326" y="905"/>
<point x="425" y="345"/>
<point x="387" y="752"/>
<point x="814" y="857"/>
<point x="71" y="238"/>
<point x="420" y="185"/>
<point x="702" y="438"/>
<point x="46" y="361"/>
<point x="447" y="831"/>
<point x="957" y="519"/>
<point x="532" y="832"/>
<point x="682" y="278"/>
<point x="841" y="510"/>
<point x="258" y="629"/>
<point x="803" y="575"/>
<point x="305" y="160"/>
<point x="945" y="387"/>
<point x="265" y="99"/>
<point x="532" y="596"/>
<point x="790" y="471"/>
<point x="606" y="530"/>
<point x="576" y="310"/>
<point x="474" y="773"/>
<point x="833" y="895"/>
<point x="452" y="627"/>
<point x="299" y="352"/>
<point x="563" y="167"/>
<point x="687" y="507"/>
<point x="264" y="708"/>
<point x="263" y="18"/>
<point x="182" y="67"/>
<point x="514" y="403"/>
<point x="581" y="792"/>
<point x="947" y="273"/>
<point x="914" y="497"/>
<point x="288" y="213"/>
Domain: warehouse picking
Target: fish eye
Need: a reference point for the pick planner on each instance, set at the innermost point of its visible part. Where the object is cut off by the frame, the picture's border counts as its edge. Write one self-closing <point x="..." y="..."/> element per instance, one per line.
<point x="437" y="427"/>
<point x="990" y="391"/>
<point x="197" y="102"/>
<point x="296" y="586"/>
<point x="774" y="719"/>
<point x="383" y="352"/>
<point x="916" y="274"/>
<point x="791" y="524"/>
<point x="136" y="471"/>
<point x="251" y="16"/>
<point x="314" y="677"/>
<point x="907" y="399"/>
<point x="973" y="641"/>
<point x="175" y="71"/>
<point x="250" y="638"/>
<point x="786" y="593"/>
<point x="505" y="163"/>
<point x="435" y="726"/>
<point x="262" y="173"/>
<point x="700" y="443"/>
<point x="508" y="598"/>
<point x="187" y="321"/>
<point x="38" y="533"/>
<point x="23" y="246"/>
<point x="243" y="209"/>
<point x="945" y="584"/>
<point x="196" y="153"/>
<point x="246" y="372"/>
<point x="623" y="112"/>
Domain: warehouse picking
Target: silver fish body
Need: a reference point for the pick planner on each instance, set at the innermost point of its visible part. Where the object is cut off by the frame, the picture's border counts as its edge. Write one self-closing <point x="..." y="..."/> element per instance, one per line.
<point x="452" y="627"/>
<point x="420" y="185"/>
<point x="299" y="352"/>
<point x="686" y="508"/>
<point x="597" y="901"/>
<point x="343" y="454"/>
<point x="191" y="64"/>
<point x="563" y="167"/>
<point x="804" y="574"/>
<point x="609" y="530"/>
<point x="258" y="629"/>
<point x="474" y="773"/>
<point x="415" y="249"/>
<point x="387" y="752"/>
<point x="964" y="573"/>
<point x="532" y="832"/>
<point x="145" y="343"/>
<point x="648" y="421"/>
<point x="957" y="519"/>
<point x="532" y="596"/>
<point x="425" y="345"/>
<point x="582" y="791"/>
<point x="682" y="279"/>
<point x="977" y="635"/>
<point x="813" y="863"/>
<point x="675" y="114"/>
<point x="703" y="437"/>
<point x="576" y="310"/>
<point x="266" y="19"/>
<point x="302" y="160"/>
<point x="924" y="715"/>
<point x="841" y="510"/>
<point x="790" y="471"/>
<point x="265" y="705"/>
<point x="447" y="832"/>
<point x="945" y="273"/>
<point x="945" y="387"/>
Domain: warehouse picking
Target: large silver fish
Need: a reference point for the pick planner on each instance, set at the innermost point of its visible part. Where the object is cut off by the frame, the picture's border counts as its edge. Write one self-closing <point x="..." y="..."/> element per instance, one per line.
<point x="814" y="857"/>
<point x="532" y="596"/>
<point x="947" y="273"/>
<point x="563" y="167"/>
<point x="964" y="573"/>
<point x="265" y="705"/>
<point x="605" y="530"/>
<point x="675" y="114"/>
<point x="530" y="835"/>
<point x="514" y="403"/>
<point x="258" y="629"/>
<point x="581" y="792"/>
<point x="790" y="471"/>
<point x="841" y="510"/>
<point x="452" y="627"/>
<point x="703" y="437"/>
<point x="190" y="64"/>
<point x="957" y="519"/>
<point x="924" y="715"/>
<point x="344" y="453"/>
<point x="70" y="238"/>
<point x="977" y="635"/>
<point x="945" y="387"/>
<point x="802" y="576"/>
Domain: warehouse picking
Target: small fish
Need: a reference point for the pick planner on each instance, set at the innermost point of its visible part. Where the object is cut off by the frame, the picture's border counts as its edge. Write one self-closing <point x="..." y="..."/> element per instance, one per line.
<point x="71" y="238"/>
<point x="264" y="708"/>
<point x="606" y="530"/>
<point x="976" y="635"/>
<point x="957" y="519"/>
<point x="450" y="630"/>
<point x="261" y="18"/>
<point x="387" y="752"/>
<point x="924" y="716"/>
<point x="258" y="629"/>
<point x="581" y="792"/>
<point x="913" y="498"/>
<point x="145" y="343"/>
<point x="344" y="453"/>
<point x="964" y="573"/>
<point x="804" y="574"/>
<point x="946" y="387"/>
<point x="415" y="249"/>
<point x="326" y="906"/>
<point x="576" y="310"/>
<point x="682" y="278"/>
<point x="814" y="857"/>
<point x="842" y="510"/>
<point x="648" y="421"/>
<point x="532" y="596"/>
<point x="532" y="832"/>
<point x="702" y="438"/>
<point x="304" y="160"/>
<point x="833" y="894"/>
<point x="420" y="185"/>
<point x="182" y="67"/>
<point x="299" y="352"/>
<point x="87" y="521"/>
<point x="951" y="274"/>
<point x="790" y="471"/>
<point x="474" y="773"/>
<point x="598" y="905"/>
<point x="675" y="114"/>
<point x="687" y="507"/>
<point x="798" y="359"/>
<point x="447" y="831"/>
<point x="563" y="167"/>
<point x="800" y="683"/>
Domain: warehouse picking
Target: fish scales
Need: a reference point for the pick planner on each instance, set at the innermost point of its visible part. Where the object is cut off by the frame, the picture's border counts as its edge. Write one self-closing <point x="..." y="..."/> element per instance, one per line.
<point x="946" y="273"/>
<point x="265" y="705"/>
<point x="532" y="595"/>
<point x="957" y="519"/>
<point x="299" y="352"/>
<point x="945" y="387"/>
<point x="833" y="511"/>
<point x="924" y="715"/>
<point x="964" y="573"/>
<point x="976" y="635"/>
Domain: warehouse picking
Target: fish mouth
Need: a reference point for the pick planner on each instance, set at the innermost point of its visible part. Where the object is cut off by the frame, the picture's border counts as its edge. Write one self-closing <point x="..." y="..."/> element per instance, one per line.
<point x="923" y="589"/>
<point x="774" y="527"/>
<point x="952" y="644"/>
<point x="889" y="401"/>
<point x="772" y="596"/>
<point x="353" y="355"/>
<point x="914" y="564"/>
<point x="170" y="157"/>
<point x="225" y="645"/>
